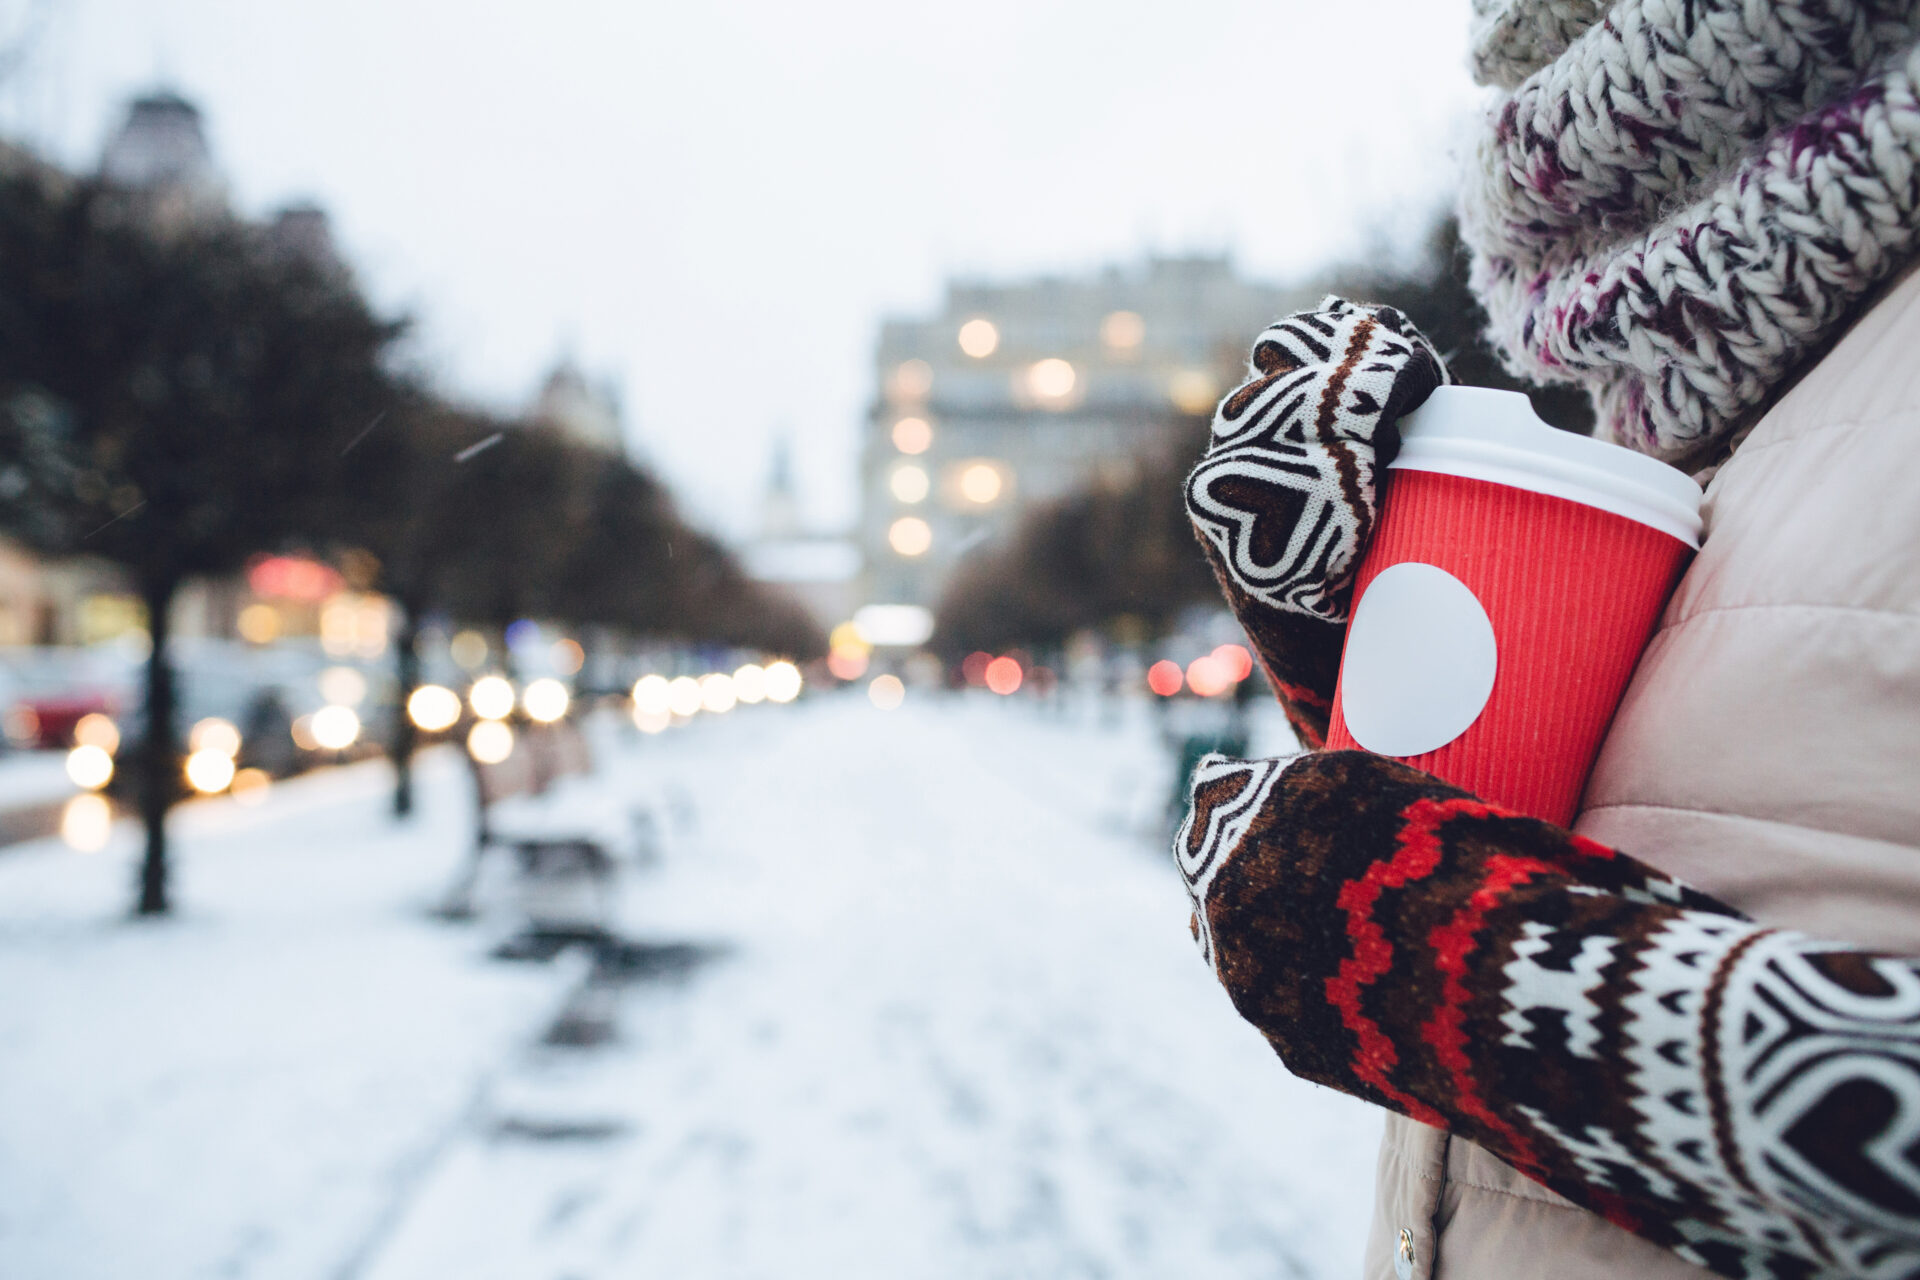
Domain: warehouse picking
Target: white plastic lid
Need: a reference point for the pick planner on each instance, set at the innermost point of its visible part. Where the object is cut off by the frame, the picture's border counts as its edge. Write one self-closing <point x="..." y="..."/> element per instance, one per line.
<point x="1482" y="434"/>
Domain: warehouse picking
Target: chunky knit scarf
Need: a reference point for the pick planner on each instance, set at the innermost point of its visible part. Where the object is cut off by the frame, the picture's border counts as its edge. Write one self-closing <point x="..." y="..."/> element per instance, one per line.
<point x="1676" y="202"/>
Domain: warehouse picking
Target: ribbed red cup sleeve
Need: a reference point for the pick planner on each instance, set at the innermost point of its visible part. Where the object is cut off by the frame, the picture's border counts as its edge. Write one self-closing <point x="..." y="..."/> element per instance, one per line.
<point x="1573" y="594"/>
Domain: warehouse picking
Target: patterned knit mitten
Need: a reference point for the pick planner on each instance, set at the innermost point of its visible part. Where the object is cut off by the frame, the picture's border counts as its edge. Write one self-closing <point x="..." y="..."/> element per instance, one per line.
<point x="1284" y="500"/>
<point x="1738" y="1094"/>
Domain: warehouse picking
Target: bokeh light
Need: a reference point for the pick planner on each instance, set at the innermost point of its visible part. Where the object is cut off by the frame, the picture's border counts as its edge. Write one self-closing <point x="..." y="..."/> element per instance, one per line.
<point x="335" y="728"/>
<point x="216" y="735"/>
<point x="847" y="664"/>
<point x="568" y="656"/>
<point x="491" y="697"/>
<point x="1164" y="678"/>
<point x="89" y="766"/>
<point x="490" y="741"/>
<point x="980" y="483"/>
<point x="909" y="483"/>
<point x="979" y="338"/>
<point x="86" y="823"/>
<point x="343" y="685"/>
<point x="259" y="624"/>
<point x="716" y="693"/>
<point x="1051" y="379"/>
<point x="1123" y="330"/>
<point x="912" y="435"/>
<point x="1193" y="391"/>
<point x="910" y="536"/>
<point x="683" y="696"/>
<point x="973" y="668"/>
<point x="1207" y="677"/>
<point x="783" y="682"/>
<point x="468" y="649"/>
<point x="546" y="700"/>
<point x="750" y="683"/>
<point x="96" y="730"/>
<point x="651" y="721"/>
<point x="911" y="380"/>
<point x="250" y="786"/>
<point x="209" y="771"/>
<point x="886" y="692"/>
<point x="1003" y="675"/>
<point x="651" y="696"/>
<point x="1236" y="660"/>
<point x="433" y="707"/>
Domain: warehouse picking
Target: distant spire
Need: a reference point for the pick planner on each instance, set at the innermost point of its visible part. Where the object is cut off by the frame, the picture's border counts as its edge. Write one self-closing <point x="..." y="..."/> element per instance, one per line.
<point x="780" y="508"/>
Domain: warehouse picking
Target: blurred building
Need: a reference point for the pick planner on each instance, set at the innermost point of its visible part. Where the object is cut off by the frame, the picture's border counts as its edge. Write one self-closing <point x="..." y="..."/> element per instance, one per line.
<point x="1016" y="393"/>
<point x="822" y="572"/>
<point x="587" y="411"/>
<point x="160" y="151"/>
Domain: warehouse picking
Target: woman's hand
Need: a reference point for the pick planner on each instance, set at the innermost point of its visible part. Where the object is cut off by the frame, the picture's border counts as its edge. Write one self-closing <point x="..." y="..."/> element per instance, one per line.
<point x="1284" y="500"/>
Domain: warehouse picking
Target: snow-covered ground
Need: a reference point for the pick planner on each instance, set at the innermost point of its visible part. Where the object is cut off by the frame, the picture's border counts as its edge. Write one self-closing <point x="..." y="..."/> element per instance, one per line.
<point x="952" y="1026"/>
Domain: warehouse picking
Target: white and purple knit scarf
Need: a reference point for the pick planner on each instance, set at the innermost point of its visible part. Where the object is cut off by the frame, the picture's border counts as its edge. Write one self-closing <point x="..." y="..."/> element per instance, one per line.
<point x="1676" y="202"/>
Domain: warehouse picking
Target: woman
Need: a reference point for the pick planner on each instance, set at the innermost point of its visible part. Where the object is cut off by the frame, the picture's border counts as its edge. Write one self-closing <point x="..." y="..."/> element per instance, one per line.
<point x="1686" y="1033"/>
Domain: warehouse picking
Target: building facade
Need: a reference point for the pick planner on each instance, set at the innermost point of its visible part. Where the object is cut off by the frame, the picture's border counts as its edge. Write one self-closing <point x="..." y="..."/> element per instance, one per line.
<point x="1017" y="393"/>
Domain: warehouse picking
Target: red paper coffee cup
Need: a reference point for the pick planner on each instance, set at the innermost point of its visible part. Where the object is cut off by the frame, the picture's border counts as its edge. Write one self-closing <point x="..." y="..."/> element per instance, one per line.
<point x="1515" y="576"/>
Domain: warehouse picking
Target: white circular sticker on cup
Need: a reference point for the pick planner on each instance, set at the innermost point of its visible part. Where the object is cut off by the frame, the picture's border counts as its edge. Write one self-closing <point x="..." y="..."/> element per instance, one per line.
<point x="1419" y="663"/>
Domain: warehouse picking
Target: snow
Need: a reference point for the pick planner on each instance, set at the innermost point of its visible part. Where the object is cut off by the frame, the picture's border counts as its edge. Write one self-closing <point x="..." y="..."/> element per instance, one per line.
<point x="949" y="1024"/>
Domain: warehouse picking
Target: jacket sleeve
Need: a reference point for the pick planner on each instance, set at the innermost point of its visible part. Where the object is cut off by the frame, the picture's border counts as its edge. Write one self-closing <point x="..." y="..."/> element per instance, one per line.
<point x="1748" y="1097"/>
<point x="1283" y="501"/>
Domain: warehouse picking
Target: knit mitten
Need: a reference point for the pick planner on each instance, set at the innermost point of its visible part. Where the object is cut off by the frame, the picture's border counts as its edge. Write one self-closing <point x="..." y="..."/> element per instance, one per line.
<point x="1741" y="1095"/>
<point x="1284" y="499"/>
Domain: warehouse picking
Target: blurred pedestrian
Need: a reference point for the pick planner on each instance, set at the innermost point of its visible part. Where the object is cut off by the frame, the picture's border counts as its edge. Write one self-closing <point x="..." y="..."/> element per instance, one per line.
<point x="1685" y="1033"/>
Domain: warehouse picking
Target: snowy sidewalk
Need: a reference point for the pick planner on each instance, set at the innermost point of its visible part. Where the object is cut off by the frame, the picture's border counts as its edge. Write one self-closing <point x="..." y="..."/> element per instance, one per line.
<point x="951" y="1026"/>
<point x="961" y="1033"/>
<point x="246" y="1089"/>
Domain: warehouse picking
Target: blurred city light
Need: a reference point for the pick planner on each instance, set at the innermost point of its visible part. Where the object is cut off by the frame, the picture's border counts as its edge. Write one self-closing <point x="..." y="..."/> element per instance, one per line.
<point x="750" y="683"/>
<point x="546" y="700"/>
<point x="89" y="766"/>
<point x="1164" y="678"/>
<point x="911" y="380"/>
<point x="912" y="435"/>
<point x="651" y="696"/>
<point x="259" y="624"/>
<point x="1236" y="660"/>
<point x="491" y="697"/>
<point x="900" y="625"/>
<point x="1193" y="391"/>
<point x="909" y="483"/>
<point x="1207" y="677"/>
<point x="847" y="664"/>
<point x="979" y="338"/>
<point x="910" y="536"/>
<point x="468" y="649"/>
<point x="335" y="728"/>
<point x="1123" y="330"/>
<point x="886" y="692"/>
<point x="973" y="668"/>
<point x="1051" y="379"/>
<point x="86" y="823"/>
<point x="490" y="741"/>
<point x="716" y="693"/>
<point x="433" y="707"/>
<point x="209" y="771"/>
<point x="568" y="656"/>
<point x="302" y="730"/>
<point x="783" y="681"/>
<point x="1003" y="675"/>
<point x="980" y="483"/>
<point x="250" y="786"/>
<point x="216" y="735"/>
<point x="651" y="721"/>
<point x="343" y="685"/>
<point x="683" y="696"/>
<point x="97" y="730"/>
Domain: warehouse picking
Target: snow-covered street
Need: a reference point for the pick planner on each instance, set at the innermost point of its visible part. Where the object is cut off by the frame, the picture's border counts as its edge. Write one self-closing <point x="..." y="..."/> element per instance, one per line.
<point x="939" y="1016"/>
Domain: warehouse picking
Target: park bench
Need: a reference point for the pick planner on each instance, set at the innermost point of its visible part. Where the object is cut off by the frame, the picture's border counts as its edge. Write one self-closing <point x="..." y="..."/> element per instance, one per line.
<point x="564" y="834"/>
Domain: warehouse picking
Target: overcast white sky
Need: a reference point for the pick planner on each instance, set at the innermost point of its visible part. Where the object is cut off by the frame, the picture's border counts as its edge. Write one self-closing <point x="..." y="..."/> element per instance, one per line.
<point x="713" y="202"/>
